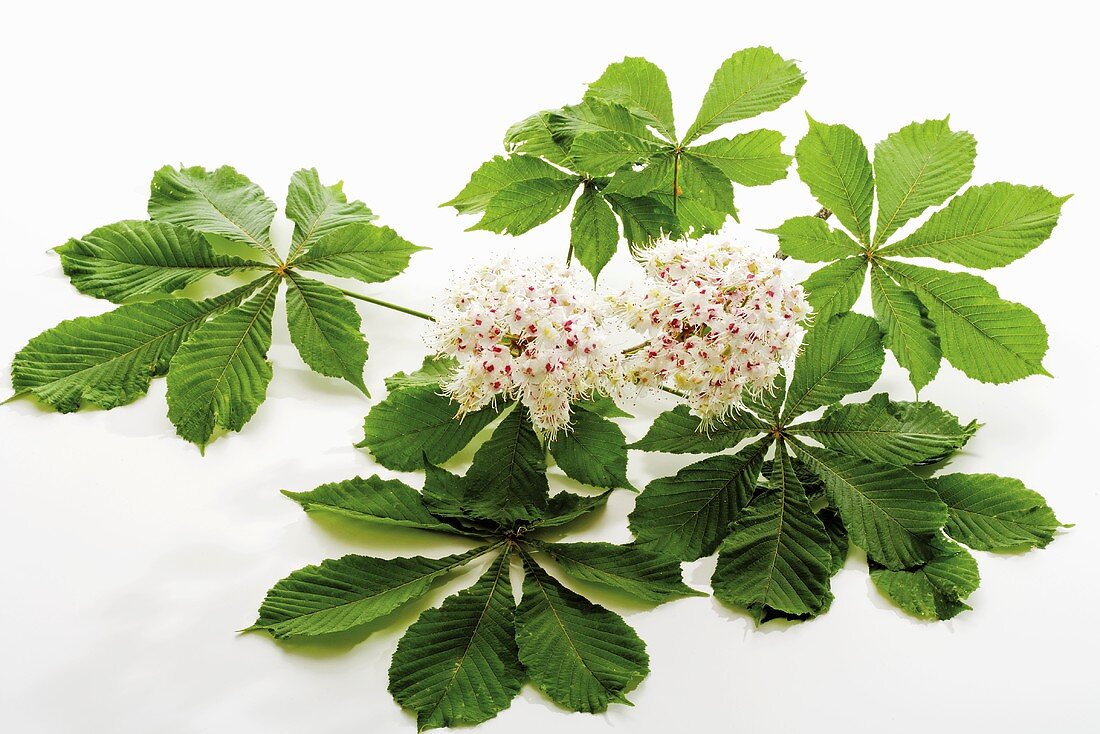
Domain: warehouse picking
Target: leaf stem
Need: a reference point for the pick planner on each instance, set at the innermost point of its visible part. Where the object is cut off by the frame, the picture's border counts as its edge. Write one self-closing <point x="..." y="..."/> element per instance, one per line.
<point x="673" y="391"/>
<point x="387" y="304"/>
<point x="636" y="348"/>
<point x="569" y="255"/>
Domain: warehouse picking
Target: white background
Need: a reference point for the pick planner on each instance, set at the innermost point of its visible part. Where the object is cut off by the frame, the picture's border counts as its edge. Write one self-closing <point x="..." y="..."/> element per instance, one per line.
<point x="129" y="560"/>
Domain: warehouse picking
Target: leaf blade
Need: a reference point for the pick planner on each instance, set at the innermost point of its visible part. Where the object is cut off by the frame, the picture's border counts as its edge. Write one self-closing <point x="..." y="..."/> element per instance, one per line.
<point x="325" y="328"/>
<point x="833" y="162"/>
<point x="582" y="656"/>
<point x="750" y="82"/>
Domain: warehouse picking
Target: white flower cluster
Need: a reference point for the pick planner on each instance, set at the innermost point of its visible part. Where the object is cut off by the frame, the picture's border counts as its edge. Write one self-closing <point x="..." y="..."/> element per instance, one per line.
<point x="527" y="331"/>
<point x="723" y="320"/>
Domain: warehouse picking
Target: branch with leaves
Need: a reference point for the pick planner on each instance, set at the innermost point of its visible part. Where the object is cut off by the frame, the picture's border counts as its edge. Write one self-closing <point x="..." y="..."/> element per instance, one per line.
<point x="619" y="148"/>
<point x="926" y="314"/>
<point x="862" y="474"/>
<point x="214" y="351"/>
<point x="464" y="661"/>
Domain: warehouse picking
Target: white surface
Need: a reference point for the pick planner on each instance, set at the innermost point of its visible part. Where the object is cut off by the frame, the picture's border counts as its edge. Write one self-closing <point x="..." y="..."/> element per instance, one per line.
<point x="129" y="560"/>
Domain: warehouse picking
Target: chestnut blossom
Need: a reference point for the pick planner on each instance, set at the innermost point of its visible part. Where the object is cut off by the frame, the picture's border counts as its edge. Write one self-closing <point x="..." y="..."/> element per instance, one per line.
<point x="528" y="331"/>
<point x="722" y="320"/>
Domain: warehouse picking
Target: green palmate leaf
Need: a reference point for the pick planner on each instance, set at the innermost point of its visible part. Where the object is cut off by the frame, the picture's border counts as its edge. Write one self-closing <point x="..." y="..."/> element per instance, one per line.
<point x="750" y="159"/>
<point x="677" y="431"/>
<point x="832" y="161"/>
<point x="935" y="590"/>
<point x="324" y="326"/>
<point x="435" y="370"/>
<point x="582" y="656"/>
<point x="812" y="240"/>
<point x="417" y="421"/>
<point x="594" y="232"/>
<point x="749" y="83"/>
<point x="218" y="346"/>
<point x="222" y="202"/>
<point x="592" y="451"/>
<point x="693" y="217"/>
<point x="507" y="480"/>
<point x="523" y="205"/>
<point x="535" y="136"/>
<point x="629" y="568"/>
<point x="458" y="664"/>
<point x="220" y="374"/>
<point x="317" y="209"/>
<point x="889" y="432"/>
<point x="988" y="338"/>
<point x="687" y="515"/>
<point x="919" y="166"/>
<point x="840" y="357"/>
<point x="133" y="258"/>
<point x="362" y="251"/>
<point x="993" y="513"/>
<point x="833" y="289"/>
<point x="495" y="175"/>
<point x="644" y="219"/>
<point x="109" y="360"/>
<point x="641" y="87"/>
<point x="565" y="507"/>
<point x="906" y="328"/>
<point x="888" y="510"/>
<point x="777" y="556"/>
<point x="384" y="501"/>
<point x="347" y="592"/>
<point x="986" y="227"/>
